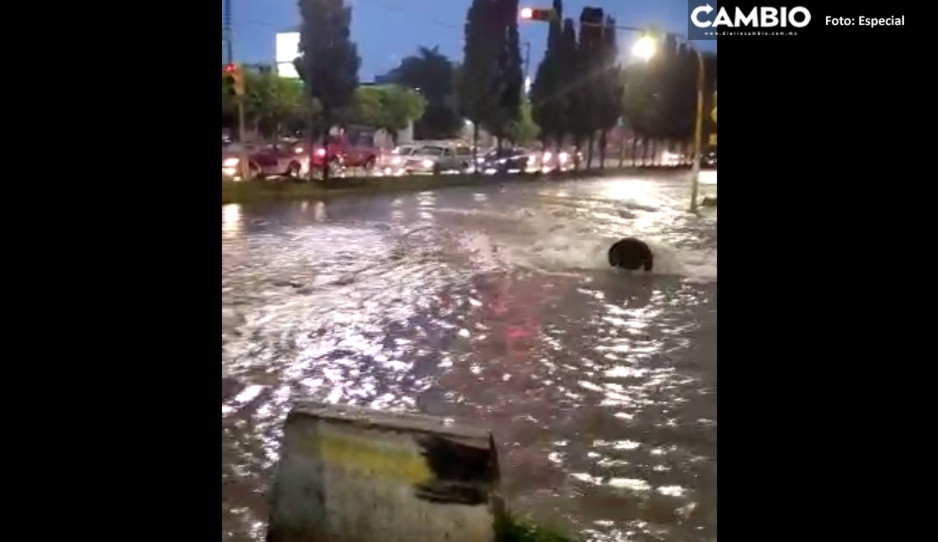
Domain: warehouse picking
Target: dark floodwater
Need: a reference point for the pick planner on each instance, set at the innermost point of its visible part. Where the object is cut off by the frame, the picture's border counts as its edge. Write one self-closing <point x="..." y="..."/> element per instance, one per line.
<point x="493" y="306"/>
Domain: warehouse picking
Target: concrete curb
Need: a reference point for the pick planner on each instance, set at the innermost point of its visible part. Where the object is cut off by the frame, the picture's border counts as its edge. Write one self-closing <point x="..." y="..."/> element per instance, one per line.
<point x="349" y="474"/>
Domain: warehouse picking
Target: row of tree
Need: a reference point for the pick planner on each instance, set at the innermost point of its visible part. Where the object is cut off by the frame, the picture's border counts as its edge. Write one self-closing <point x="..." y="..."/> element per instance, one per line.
<point x="276" y="105"/>
<point x="490" y="87"/>
<point x="581" y="92"/>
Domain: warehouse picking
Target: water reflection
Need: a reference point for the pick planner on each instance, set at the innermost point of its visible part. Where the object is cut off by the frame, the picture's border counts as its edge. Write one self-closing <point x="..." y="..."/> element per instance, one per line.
<point x="320" y="212"/>
<point x="600" y="387"/>
<point x="232" y="223"/>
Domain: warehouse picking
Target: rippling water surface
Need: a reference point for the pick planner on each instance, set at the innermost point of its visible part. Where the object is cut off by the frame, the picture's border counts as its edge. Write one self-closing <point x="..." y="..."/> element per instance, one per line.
<point x="494" y="306"/>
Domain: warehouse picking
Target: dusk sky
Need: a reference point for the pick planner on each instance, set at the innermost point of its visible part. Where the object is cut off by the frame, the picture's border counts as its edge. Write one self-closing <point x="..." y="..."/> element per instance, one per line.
<point x="388" y="30"/>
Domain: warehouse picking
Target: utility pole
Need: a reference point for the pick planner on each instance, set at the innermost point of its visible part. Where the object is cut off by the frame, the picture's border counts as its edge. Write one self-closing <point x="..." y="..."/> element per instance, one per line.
<point x="527" y="57"/>
<point x="226" y="31"/>
<point x="234" y="85"/>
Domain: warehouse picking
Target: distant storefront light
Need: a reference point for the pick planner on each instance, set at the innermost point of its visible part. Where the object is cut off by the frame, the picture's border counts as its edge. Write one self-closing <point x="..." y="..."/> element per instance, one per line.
<point x="288" y="70"/>
<point x="287" y="49"/>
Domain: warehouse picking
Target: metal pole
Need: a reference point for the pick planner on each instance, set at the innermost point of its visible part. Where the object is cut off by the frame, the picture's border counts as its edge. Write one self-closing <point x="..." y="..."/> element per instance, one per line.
<point x="311" y="121"/>
<point x="243" y="161"/>
<point x="226" y="31"/>
<point x="698" y="133"/>
<point x="527" y="59"/>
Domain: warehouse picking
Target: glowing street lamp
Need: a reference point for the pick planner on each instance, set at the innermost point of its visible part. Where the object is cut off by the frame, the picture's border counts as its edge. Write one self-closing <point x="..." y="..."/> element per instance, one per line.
<point x="645" y="47"/>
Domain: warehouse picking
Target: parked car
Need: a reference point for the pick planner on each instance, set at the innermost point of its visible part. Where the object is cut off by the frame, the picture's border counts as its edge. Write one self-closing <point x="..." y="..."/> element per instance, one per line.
<point x="392" y="163"/>
<point x="353" y="150"/>
<point x="339" y="153"/>
<point x="553" y="160"/>
<point x="231" y="156"/>
<point x="278" y="159"/>
<point x="438" y="158"/>
<point x="506" y="160"/>
<point x="709" y="159"/>
<point x="282" y="158"/>
<point x="674" y="159"/>
<point x="456" y="159"/>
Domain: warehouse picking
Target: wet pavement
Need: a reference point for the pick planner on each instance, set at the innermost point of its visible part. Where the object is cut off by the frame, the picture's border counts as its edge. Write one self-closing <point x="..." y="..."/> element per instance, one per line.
<point x="493" y="306"/>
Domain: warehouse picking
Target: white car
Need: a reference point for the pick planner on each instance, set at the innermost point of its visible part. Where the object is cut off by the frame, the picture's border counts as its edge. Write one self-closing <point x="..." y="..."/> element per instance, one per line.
<point x="439" y="158"/>
<point x="674" y="159"/>
<point x="392" y="163"/>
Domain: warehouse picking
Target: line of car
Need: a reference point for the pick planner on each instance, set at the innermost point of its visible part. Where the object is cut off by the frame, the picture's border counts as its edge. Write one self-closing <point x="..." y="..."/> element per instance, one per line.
<point x="446" y="157"/>
<point x="293" y="158"/>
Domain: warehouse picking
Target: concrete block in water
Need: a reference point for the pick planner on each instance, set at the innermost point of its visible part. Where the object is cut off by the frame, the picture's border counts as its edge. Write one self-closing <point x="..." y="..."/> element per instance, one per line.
<point x="349" y="474"/>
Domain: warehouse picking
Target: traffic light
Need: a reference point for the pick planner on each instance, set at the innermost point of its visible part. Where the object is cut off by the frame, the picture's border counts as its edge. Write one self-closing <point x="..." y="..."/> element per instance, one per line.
<point x="538" y="14"/>
<point x="233" y="79"/>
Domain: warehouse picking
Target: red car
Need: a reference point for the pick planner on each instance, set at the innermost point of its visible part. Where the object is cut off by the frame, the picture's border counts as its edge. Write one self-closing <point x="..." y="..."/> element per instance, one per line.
<point x="284" y="159"/>
<point x="354" y="149"/>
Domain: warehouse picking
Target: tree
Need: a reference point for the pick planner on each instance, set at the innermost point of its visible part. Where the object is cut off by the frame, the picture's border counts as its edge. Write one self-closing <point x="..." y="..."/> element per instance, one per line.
<point x="400" y="106"/>
<point x="574" y="108"/>
<point x="388" y="107"/>
<point x="641" y="104"/>
<point x="507" y="88"/>
<point x="681" y="95"/>
<point x="590" y="84"/>
<point x="275" y="105"/>
<point x="547" y="101"/>
<point x="431" y="74"/>
<point x="660" y="98"/>
<point x="328" y="62"/>
<point x="610" y="88"/>
<point x="479" y="70"/>
<point x="523" y="130"/>
<point x="271" y="101"/>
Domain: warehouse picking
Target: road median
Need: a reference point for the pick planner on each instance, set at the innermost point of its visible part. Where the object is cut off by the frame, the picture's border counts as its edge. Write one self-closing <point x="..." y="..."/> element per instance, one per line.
<point x="291" y="189"/>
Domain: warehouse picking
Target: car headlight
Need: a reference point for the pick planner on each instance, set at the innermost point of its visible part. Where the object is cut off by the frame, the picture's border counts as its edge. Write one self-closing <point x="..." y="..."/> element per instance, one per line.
<point x="320" y="152"/>
<point x="396" y="160"/>
<point x="563" y="157"/>
<point x="230" y="162"/>
<point x="547" y="156"/>
<point x="298" y="150"/>
<point x="428" y="163"/>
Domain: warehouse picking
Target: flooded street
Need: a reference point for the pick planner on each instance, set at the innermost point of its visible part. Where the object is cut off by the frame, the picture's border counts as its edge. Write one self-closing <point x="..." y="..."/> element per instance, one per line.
<point x="495" y="306"/>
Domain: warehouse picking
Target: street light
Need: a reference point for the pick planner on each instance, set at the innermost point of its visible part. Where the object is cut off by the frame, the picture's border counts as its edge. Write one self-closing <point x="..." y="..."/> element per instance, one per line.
<point x="645" y="48"/>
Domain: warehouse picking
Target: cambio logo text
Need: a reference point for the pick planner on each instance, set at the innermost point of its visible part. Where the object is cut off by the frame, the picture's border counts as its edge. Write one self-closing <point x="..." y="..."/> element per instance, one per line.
<point x="761" y="17"/>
